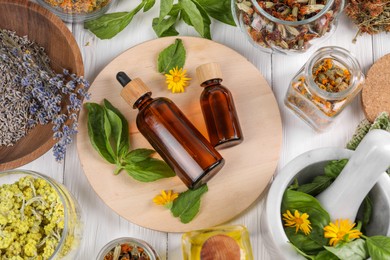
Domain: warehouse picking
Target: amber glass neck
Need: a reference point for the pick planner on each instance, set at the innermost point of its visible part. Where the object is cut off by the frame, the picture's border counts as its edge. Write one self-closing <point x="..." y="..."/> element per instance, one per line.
<point x="143" y="101"/>
<point x="211" y="82"/>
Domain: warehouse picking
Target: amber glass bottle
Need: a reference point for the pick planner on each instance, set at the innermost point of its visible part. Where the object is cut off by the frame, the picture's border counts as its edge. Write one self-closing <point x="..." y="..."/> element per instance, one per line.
<point x="218" y="108"/>
<point x="171" y="134"/>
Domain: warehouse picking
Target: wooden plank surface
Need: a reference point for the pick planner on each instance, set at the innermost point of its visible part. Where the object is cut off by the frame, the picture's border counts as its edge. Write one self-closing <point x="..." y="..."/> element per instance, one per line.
<point x="103" y="225"/>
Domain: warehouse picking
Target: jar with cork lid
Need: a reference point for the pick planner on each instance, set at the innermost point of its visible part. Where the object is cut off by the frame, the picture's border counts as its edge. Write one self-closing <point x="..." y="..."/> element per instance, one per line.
<point x="219" y="111"/>
<point x="172" y="135"/>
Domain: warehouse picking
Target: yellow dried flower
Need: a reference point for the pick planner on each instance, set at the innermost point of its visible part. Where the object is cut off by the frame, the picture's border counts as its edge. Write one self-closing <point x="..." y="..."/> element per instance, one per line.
<point x="300" y="222"/>
<point x="177" y="80"/>
<point x="166" y="198"/>
<point x="341" y="230"/>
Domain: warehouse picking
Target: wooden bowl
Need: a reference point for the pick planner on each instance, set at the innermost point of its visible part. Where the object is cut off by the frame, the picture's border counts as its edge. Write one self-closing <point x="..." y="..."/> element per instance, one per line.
<point x="46" y="29"/>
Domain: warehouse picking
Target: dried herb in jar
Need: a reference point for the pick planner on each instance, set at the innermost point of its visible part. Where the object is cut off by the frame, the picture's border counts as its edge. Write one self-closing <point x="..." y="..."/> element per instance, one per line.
<point x="127" y="251"/>
<point x="78" y="6"/>
<point x="330" y="76"/>
<point x="268" y="34"/>
<point x="371" y="16"/>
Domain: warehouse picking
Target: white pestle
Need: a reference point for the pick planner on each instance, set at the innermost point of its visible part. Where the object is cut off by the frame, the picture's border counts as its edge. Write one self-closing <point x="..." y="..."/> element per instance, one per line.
<point x="344" y="196"/>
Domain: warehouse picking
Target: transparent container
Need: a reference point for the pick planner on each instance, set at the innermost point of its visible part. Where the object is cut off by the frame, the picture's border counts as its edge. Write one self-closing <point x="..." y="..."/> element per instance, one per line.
<point x="311" y="101"/>
<point x="223" y="242"/>
<point x="272" y="34"/>
<point x="77" y="11"/>
<point x="148" y="252"/>
<point x="70" y="237"/>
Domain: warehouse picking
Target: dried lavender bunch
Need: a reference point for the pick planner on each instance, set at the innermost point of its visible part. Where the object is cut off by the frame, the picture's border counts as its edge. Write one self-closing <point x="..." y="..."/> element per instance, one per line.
<point x="32" y="93"/>
<point x="371" y="16"/>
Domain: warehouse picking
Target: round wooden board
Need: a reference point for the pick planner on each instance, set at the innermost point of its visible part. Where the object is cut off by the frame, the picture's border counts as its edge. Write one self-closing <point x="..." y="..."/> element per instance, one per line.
<point x="249" y="165"/>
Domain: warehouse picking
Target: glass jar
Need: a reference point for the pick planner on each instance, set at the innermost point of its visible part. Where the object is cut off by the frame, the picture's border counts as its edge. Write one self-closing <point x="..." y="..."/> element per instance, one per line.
<point x="147" y="250"/>
<point x="68" y="240"/>
<point x="223" y="242"/>
<point x="290" y="36"/>
<point x="316" y="94"/>
<point x="77" y="11"/>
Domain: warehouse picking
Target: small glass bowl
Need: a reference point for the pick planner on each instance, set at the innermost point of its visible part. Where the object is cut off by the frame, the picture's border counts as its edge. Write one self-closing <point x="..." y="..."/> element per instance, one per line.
<point x="70" y="238"/>
<point x="271" y="34"/>
<point x="77" y="11"/>
<point x="150" y="252"/>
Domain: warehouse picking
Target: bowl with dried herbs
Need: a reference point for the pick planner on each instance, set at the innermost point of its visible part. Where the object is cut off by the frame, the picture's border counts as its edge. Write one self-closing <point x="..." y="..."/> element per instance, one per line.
<point x="298" y="224"/>
<point x="287" y="27"/>
<point x="41" y="69"/>
<point x="39" y="218"/>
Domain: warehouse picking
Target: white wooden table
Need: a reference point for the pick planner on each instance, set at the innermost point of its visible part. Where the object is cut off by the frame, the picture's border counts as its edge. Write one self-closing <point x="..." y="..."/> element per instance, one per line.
<point x="102" y="224"/>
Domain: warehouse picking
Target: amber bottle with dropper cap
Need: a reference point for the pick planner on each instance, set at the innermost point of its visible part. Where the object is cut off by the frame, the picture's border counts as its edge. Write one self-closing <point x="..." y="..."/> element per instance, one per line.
<point x="218" y="108"/>
<point x="171" y="134"/>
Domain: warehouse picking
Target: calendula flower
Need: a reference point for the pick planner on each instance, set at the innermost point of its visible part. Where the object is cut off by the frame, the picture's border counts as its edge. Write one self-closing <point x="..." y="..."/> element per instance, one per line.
<point x="166" y="198"/>
<point x="300" y="222"/>
<point x="177" y="80"/>
<point x="341" y="230"/>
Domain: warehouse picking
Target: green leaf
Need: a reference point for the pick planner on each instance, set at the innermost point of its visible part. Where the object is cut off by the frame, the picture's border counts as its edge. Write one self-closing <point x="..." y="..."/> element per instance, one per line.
<point x="194" y="15"/>
<point x="175" y="11"/>
<point x="165" y="27"/>
<point x="367" y="212"/>
<point x="96" y="132"/>
<point x="148" y="5"/>
<point x="187" y="205"/>
<point x="354" y="250"/>
<point x="138" y="155"/>
<point x="120" y="126"/>
<point x="149" y="170"/>
<point x="165" y="8"/>
<point x="172" y="56"/>
<point x="218" y="9"/>
<point x="334" y="168"/>
<point x="319" y="218"/>
<point x="109" y="25"/>
<point x="325" y="255"/>
<point x="206" y="21"/>
<point x="378" y="247"/>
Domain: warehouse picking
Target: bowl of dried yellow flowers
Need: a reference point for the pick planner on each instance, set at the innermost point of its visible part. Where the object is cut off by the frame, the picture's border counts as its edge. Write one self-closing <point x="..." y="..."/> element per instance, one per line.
<point x="39" y="218"/>
<point x="41" y="90"/>
<point x="297" y="224"/>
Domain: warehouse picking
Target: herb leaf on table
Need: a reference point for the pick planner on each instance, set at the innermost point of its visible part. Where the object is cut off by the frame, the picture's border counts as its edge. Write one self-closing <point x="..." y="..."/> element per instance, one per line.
<point x="172" y="56"/>
<point x="378" y="247"/>
<point x="187" y="205"/>
<point x="352" y="250"/>
<point x="109" y="136"/>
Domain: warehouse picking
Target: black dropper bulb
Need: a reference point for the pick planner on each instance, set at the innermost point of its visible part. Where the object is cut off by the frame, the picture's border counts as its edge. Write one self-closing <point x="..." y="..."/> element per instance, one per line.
<point x="123" y="78"/>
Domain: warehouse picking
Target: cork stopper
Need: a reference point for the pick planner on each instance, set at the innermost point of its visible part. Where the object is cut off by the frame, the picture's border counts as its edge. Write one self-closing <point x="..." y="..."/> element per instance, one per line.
<point x="133" y="90"/>
<point x="208" y="71"/>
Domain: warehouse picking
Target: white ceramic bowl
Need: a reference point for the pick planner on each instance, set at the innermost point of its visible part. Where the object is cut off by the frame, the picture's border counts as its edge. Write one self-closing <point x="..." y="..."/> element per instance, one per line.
<point x="305" y="167"/>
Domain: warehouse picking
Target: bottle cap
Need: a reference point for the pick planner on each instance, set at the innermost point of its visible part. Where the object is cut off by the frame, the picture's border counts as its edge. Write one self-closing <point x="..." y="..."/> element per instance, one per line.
<point x="133" y="90"/>
<point x="208" y="71"/>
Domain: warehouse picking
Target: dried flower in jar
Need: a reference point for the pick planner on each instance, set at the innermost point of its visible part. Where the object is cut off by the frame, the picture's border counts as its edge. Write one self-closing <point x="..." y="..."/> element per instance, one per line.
<point x="127" y="251"/>
<point x="270" y="34"/>
<point x="331" y="77"/>
<point x="78" y="6"/>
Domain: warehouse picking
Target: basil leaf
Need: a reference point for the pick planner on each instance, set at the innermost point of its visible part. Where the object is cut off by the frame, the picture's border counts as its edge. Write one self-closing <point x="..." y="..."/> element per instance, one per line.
<point x="165" y="27"/>
<point x="172" y="56"/>
<point x="165" y="8"/>
<point x="378" y="247"/>
<point x="149" y="170"/>
<point x="109" y="25"/>
<point x="367" y="213"/>
<point x="325" y="255"/>
<point x="138" y="155"/>
<point x="176" y="8"/>
<point x="206" y="21"/>
<point x="96" y="132"/>
<point x="187" y="205"/>
<point x="354" y="250"/>
<point x="148" y="5"/>
<point x="319" y="184"/>
<point x="120" y="126"/>
<point x="334" y="168"/>
<point x="319" y="218"/>
<point x="194" y="15"/>
<point x="218" y="9"/>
